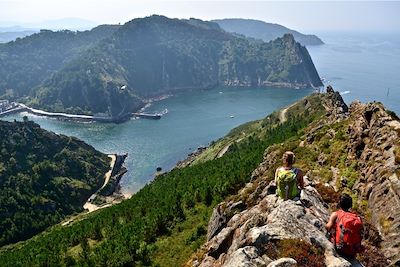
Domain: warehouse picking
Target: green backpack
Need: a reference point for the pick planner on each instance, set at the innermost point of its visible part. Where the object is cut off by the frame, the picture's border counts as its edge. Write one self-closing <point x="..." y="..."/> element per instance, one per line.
<point x="286" y="184"/>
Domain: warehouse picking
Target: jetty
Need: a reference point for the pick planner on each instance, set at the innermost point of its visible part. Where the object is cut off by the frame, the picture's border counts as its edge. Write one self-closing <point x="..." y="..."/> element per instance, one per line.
<point x="155" y="116"/>
<point x="14" y="110"/>
<point x="18" y="107"/>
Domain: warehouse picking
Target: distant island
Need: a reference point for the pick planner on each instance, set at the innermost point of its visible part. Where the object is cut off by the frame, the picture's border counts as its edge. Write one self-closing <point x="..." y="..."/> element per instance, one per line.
<point x="112" y="70"/>
<point x="265" y="31"/>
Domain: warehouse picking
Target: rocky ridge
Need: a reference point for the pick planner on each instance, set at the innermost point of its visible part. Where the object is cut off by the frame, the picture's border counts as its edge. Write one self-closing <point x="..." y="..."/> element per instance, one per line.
<point x="352" y="150"/>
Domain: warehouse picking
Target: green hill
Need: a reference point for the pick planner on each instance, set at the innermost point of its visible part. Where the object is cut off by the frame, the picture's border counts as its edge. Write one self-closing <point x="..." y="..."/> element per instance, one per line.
<point x="26" y="62"/>
<point x="43" y="178"/>
<point x="116" y="73"/>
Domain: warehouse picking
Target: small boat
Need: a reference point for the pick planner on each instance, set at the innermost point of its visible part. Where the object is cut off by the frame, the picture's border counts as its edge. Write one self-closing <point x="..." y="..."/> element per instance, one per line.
<point x="231" y="116"/>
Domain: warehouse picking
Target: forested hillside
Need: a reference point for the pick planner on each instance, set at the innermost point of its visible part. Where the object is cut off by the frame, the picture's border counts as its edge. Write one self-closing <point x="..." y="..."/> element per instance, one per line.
<point x="115" y="71"/>
<point x="26" y="62"/>
<point x="43" y="178"/>
<point x="165" y="221"/>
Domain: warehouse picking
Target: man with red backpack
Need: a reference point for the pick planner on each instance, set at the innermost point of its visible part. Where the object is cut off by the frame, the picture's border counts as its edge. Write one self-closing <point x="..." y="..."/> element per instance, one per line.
<point x="346" y="229"/>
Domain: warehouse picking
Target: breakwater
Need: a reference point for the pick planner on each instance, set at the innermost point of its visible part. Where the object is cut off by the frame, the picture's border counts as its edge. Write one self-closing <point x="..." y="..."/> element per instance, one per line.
<point x="80" y="117"/>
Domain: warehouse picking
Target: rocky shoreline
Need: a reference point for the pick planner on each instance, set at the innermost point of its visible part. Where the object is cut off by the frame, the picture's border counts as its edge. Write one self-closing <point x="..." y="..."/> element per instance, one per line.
<point x="190" y="157"/>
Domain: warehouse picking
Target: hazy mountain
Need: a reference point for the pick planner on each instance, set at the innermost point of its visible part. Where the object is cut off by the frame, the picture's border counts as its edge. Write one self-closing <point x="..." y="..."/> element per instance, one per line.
<point x="66" y="24"/>
<point x="10" y="33"/>
<point x="265" y="31"/>
<point x="11" y="36"/>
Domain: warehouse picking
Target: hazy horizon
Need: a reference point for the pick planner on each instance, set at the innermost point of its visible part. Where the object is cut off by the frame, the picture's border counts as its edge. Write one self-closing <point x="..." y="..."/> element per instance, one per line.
<point x="306" y="17"/>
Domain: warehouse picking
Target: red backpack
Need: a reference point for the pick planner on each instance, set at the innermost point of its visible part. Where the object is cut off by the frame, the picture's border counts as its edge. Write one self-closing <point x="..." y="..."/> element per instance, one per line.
<point x="348" y="236"/>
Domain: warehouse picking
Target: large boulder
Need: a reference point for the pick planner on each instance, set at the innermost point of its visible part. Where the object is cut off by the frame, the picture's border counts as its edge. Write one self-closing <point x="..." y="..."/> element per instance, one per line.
<point x="243" y="240"/>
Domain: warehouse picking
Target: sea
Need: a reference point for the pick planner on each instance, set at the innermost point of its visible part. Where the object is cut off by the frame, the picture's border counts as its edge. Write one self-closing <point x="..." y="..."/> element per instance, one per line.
<point x="360" y="66"/>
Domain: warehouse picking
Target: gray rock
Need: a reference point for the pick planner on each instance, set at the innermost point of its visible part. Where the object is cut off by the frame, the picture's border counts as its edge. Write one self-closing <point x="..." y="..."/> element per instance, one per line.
<point x="283" y="262"/>
<point x="217" y="221"/>
<point x="245" y="257"/>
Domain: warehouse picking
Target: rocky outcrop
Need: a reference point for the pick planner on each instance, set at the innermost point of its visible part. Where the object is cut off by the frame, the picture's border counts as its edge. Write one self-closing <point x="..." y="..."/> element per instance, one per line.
<point x="244" y="237"/>
<point x="356" y="150"/>
<point x="375" y="146"/>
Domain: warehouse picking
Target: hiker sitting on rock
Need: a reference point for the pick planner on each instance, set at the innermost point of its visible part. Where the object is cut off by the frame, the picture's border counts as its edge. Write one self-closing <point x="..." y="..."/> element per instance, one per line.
<point x="289" y="180"/>
<point x="345" y="228"/>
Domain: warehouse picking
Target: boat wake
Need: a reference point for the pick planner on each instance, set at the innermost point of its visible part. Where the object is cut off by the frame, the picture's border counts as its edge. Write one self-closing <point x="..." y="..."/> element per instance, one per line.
<point x="165" y="111"/>
<point x="344" y="92"/>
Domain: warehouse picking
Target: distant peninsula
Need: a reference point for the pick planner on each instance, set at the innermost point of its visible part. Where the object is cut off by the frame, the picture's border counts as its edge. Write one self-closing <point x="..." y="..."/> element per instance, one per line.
<point x="265" y="31"/>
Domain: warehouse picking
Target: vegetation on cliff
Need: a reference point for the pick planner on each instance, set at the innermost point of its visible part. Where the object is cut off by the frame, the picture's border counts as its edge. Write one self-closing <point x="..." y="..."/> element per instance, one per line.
<point x="43" y="178"/>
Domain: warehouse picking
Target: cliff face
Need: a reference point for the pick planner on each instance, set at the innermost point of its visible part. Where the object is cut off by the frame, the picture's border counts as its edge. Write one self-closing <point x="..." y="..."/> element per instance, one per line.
<point x="352" y="150"/>
<point x="375" y="145"/>
<point x="281" y="63"/>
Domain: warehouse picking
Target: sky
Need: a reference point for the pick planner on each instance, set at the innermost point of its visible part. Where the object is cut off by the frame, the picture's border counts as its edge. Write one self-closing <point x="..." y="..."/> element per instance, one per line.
<point x="311" y="16"/>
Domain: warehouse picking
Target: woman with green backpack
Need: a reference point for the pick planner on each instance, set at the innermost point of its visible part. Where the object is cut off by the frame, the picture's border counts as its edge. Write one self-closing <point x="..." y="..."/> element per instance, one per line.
<point x="289" y="180"/>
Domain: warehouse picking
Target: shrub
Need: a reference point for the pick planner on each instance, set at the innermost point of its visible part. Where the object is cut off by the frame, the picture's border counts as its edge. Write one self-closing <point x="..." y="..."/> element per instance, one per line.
<point x="304" y="253"/>
<point x="328" y="194"/>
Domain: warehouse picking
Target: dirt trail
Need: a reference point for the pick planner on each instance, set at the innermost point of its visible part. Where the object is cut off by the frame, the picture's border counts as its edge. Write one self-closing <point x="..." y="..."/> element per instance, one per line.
<point x="107" y="176"/>
<point x="90" y="206"/>
<point x="223" y="151"/>
<point x="282" y="114"/>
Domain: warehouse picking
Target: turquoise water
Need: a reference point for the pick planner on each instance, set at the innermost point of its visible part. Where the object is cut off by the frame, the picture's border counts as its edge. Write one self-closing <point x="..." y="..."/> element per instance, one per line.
<point x="194" y="119"/>
<point x="366" y="66"/>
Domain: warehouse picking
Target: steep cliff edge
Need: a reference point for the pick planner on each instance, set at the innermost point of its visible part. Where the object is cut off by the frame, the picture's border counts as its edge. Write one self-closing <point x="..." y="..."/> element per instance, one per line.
<point x="352" y="150"/>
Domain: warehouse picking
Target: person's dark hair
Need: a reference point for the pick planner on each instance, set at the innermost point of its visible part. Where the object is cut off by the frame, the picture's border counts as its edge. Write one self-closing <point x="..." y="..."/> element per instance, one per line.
<point x="288" y="158"/>
<point x="345" y="202"/>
